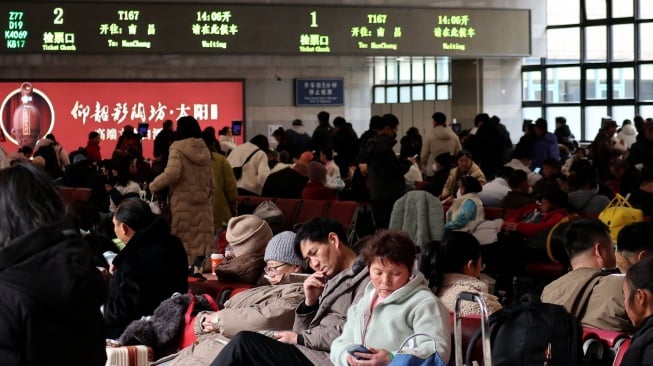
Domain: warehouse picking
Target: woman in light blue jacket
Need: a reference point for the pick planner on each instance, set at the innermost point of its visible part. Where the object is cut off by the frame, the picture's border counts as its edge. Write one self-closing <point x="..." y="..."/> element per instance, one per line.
<point x="397" y="304"/>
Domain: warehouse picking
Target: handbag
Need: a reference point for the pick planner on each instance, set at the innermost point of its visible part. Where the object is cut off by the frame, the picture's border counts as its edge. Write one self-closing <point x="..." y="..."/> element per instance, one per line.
<point x="403" y="358"/>
<point x="619" y="213"/>
<point x="189" y="337"/>
<point x="238" y="170"/>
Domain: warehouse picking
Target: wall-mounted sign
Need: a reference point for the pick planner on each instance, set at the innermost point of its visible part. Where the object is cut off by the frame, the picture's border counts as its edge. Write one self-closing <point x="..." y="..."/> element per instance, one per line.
<point x="71" y="109"/>
<point x="202" y="28"/>
<point x="316" y="92"/>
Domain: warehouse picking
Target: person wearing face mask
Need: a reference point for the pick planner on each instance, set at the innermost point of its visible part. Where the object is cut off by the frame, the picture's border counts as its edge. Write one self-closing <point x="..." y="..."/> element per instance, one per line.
<point x="385" y="172"/>
<point x="464" y="166"/>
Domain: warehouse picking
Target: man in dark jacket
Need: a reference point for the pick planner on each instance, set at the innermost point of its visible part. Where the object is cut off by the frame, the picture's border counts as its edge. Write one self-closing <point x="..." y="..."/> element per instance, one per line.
<point x="323" y="134"/>
<point x="545" y="146"/>
<point x="338" y="282"/>
<point x="384" y="170"/>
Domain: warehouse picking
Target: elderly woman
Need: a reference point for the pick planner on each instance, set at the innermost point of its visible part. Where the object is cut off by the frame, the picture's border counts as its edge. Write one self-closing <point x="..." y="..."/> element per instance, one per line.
<point x="150" y="268"/>
<point x="454" y="266"/>
<point x="263" y="308"/>
<point x="638" y="294"/>
<point x="50" y="290"/>
<point x="464" y="166"/>
<point x="397" y="304"/>
<point x="189" y="174"/>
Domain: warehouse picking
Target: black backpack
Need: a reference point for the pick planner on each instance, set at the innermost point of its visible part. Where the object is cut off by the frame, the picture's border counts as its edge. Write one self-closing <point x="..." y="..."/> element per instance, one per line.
<point x="531" y="333"/>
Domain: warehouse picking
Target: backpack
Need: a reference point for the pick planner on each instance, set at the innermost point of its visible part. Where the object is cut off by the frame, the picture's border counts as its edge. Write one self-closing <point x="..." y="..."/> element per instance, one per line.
<point x="529" y="332"/>
<point x="271" y="214"/>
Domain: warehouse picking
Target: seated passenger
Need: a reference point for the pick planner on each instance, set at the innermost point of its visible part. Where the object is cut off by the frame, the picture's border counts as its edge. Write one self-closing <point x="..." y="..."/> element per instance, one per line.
<point x="287" y="183"/>
<point x="51" y="290"/>
<point x="495" y="190"/>
<point x="519" y="195"/>
<point x="150" y="268"/>
<point x="631" y="245"/>
<point x="464" y="166"/>
<point x="247" y="235"/>
<point x="315" y="188"/>
<point x="263" y="308"/>
<point x="466" y="211"/>
<point x="397" y="304"/>
<point x="583" y="183"/>
<point x="454" y="266"/>
<point x="548" y="211"/>
<point x="590" y="292"/>
<point x="638" y="293"/>
<point x="338" y="282"/>
<point x="125" y="187"/>
<point x="642" y="197"/>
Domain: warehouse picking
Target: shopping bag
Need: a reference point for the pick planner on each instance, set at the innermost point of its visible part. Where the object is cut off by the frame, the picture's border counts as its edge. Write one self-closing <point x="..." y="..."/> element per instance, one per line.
<point x="403" y="358"/>
<point x="619" y="213"/>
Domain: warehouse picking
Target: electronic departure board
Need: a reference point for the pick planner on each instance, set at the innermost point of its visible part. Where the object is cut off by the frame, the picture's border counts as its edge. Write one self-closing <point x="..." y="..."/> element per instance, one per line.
<point x="163" y="28"/>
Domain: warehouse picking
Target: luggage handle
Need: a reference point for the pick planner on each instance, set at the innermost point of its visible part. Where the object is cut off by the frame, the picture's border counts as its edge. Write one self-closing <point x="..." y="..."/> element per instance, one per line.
<point x="458" y="339"/>
<point x="412" y="337"/>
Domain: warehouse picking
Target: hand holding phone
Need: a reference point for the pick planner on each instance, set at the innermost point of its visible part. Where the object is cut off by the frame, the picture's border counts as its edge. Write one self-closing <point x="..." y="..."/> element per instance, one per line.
<point x="357" y="349"/>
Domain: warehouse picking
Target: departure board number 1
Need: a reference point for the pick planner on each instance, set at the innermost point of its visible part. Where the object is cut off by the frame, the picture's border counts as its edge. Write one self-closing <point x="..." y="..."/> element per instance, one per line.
<point x="128" y="14"/>
<point x="313" y="19"/>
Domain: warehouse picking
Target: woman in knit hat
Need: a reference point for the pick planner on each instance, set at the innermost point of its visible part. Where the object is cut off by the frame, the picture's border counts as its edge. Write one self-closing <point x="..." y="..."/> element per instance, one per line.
<point x="263" y="308"/>
<point x="247" y="235"/>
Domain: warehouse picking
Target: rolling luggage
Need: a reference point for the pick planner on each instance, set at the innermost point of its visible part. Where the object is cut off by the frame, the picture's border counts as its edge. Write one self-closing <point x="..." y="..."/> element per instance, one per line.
<point x="458" y="334"/>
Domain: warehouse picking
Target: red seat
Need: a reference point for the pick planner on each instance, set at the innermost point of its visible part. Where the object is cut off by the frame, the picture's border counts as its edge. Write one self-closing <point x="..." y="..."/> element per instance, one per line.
<point x="492" y="213"/>
<point x="546" y="269"/>
<point x="621" y="351"/>
<point x="470" y="324"/>
<point x="610" y="337"/>
<point x="289" y="208"/>
<point x="309" y="210"/>
<point x="219" y="290"/>
<point x="72" y="194"/>
<point x="343" y="212"/>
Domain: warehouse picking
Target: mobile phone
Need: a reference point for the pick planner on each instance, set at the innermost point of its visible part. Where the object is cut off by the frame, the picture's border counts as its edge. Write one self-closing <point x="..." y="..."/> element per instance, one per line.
<point x="357" y="348"/>
<point x="537" y="170"/>
<point x="142" y="129"/>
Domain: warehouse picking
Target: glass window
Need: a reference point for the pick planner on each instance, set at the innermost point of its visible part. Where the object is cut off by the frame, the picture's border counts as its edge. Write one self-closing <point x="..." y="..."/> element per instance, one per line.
<point x="593" y="116"/>
<point x="429" y="92"/>
<point x="532" y="113"/>
<point x="379" y="94"/>
<point x="443" y="92"/>
<point x="429" y="71"/>
<point x="596" y="44"/>
<point x="404" y="71"/>
<point x="560" y="12"/>
<point x="563" y="84"/>
<point x="645" y="9"/>
<point x="646" y="110"/>
<point x="418" y="70"/>
<point x="623" y="42"/>
<point x="623" y="85"/>
<point x="391" y="72"/>
<point x="596" y="86"/>
<point x="404" y="94"/>
<point x="379" y="73"/>
<point x="418" y="92"/>
<point x="563" y="45"/>
<point x="646" y="41"/>
<point x="531" y="61"/>
<point x="595" y="9"/>
<point x="646" y="82"/>
<point x="622" y="112"/>
<point x="444" y="75"/>
<point x="532" y="86"/>
<point x="622" y="9"/>
<point x="572" y="114"/>
<point x="392" y="95"/>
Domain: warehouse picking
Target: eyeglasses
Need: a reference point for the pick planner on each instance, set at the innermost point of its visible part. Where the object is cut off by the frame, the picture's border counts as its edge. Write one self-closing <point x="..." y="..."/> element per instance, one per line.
<point x="273" y="270"/>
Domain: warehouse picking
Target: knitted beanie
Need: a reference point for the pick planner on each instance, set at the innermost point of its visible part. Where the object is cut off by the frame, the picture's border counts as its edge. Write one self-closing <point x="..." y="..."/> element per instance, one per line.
<point x="281" y="249"/>
<point x="247" y="234"/>
<point x="316" y="171"/>
<point x="306" y="157"/>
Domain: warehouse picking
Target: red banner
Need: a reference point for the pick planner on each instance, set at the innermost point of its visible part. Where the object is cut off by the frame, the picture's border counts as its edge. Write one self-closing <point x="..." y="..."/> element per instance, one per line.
<point x="70" y="110"/>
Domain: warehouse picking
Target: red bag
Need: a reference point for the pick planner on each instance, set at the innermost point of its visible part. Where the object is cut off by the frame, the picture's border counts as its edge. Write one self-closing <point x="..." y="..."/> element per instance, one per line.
<point x="188" y="337"/>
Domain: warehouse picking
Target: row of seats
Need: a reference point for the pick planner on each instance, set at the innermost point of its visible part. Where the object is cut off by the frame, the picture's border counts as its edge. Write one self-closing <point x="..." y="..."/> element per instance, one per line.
<point x="72" y="194"/>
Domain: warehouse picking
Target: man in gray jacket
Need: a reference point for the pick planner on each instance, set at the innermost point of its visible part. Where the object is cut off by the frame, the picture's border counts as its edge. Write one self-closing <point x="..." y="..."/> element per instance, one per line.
<point x="338" y="282"/>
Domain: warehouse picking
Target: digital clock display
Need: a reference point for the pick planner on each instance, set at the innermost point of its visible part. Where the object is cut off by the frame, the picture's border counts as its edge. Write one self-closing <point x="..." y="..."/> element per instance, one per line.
<point x="127" y="28"/>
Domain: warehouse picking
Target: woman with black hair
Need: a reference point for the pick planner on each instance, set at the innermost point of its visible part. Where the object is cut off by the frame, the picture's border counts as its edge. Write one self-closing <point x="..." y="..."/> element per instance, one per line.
<point x="252" y="159"/>
<point x="638" y="293"/>
<point x="454" y="266"/>
<point x="189" y="174"/>
<point x="150" y="268"/>
<point x="50" y="290"/>
<point x="466" y="211"/>
<point x="125" y="187"/>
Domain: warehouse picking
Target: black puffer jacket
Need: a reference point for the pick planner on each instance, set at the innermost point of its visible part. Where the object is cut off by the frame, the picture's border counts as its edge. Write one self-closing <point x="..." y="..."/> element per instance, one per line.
<point x="50" y="297"/>
<point x="149" y="270"/>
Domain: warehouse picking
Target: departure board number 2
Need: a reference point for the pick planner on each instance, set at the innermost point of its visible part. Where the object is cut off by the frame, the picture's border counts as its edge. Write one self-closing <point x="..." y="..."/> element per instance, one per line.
<point x="128" y="14"/>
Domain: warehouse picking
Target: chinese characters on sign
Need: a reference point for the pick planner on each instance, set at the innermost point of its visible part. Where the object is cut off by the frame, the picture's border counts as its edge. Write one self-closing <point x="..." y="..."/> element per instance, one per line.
<point x="455" y="28"/>
<point x="319" y="92"/>
<point x="377" y="33"/>
<point x="314" y="42"/>
<point x="214" y="23"/>
<point x="126" y="25"/>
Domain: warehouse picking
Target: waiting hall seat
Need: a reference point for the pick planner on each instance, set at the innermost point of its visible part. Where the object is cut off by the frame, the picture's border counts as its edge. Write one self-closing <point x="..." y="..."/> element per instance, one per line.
<point x="343" y="212"/>
<point x="72" y="194"/>
<point x="309" y="210"/>
<point x="289" y="207"/>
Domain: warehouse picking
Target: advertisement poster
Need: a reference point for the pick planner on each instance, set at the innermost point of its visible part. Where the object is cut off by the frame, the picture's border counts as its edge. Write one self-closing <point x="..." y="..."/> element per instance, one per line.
<point x="70" y="110"/>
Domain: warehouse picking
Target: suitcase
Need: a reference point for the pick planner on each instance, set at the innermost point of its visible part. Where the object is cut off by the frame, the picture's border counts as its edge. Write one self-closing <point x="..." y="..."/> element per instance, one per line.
<point x="129" y="356"/>
<point x="458" y="334"/>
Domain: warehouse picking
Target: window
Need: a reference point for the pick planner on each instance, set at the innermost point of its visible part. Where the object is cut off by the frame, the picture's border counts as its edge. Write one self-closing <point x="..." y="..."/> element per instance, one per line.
<point x="407" y="79"/>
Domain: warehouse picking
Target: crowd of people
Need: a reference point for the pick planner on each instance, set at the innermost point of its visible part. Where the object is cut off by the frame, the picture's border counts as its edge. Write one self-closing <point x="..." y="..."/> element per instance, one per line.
<point x="90" y="269"/>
